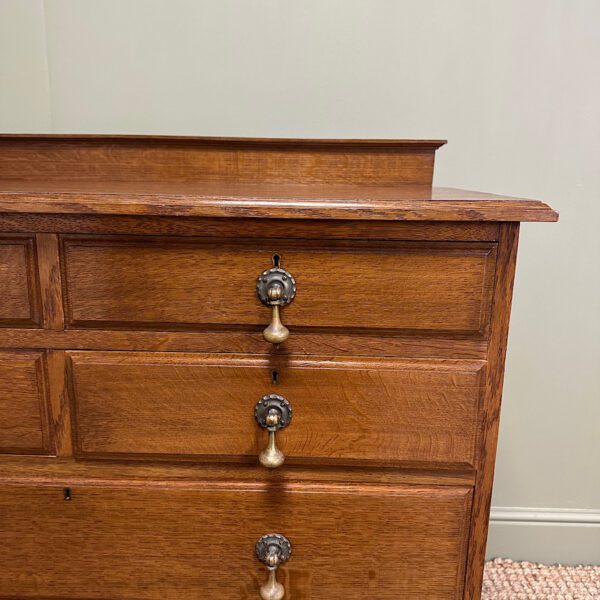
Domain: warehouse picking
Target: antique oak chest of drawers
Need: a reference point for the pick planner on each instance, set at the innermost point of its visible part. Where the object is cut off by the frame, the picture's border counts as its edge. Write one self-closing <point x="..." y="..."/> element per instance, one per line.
<point x="244" y="368"/>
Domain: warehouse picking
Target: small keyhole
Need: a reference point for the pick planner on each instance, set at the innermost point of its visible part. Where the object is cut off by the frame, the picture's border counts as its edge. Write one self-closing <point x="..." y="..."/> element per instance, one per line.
<point x="67" y="493"/>
<point x="276" y="259"/>
<point x="275" y="377"/>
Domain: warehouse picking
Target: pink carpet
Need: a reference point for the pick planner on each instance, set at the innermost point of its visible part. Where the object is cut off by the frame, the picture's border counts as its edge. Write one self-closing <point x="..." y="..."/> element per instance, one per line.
<point x="508" y="580"/>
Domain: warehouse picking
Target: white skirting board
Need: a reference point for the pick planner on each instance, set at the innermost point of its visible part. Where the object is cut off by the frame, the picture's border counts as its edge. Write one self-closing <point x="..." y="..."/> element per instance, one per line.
<point x="549" y="536"/>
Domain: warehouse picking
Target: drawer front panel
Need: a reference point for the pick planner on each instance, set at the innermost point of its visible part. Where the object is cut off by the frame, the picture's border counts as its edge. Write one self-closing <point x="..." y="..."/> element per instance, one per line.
<point x="149" y="543"/>
<point x="344" y="410"/>
<point x="20" y="299"/>
<point x="405" y="287"/>
<point x="23" y="405"/>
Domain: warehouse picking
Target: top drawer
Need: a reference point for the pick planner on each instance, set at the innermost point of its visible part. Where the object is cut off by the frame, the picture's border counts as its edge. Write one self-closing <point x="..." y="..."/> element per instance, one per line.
<point x="146" y="282"/>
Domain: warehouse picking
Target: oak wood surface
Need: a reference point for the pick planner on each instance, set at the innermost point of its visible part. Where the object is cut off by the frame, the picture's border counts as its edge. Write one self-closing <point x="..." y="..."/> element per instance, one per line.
<point x="165" y="283"/>
<point x="145" y="405"/>
<point x="19" y="287"/>
<point x="152" y="543"/>
<point x="442" y="231"/>
<point x="64" y="470"/>
<point x="50" y="281"/>
<point x="509" y="240"/>
<point x="23" y="403"/>
<point x="282" y="201"/>
<point x="355" y="344"/>
<point x="60" y="413"/>
<point x="188" y="159"/>
<point x="313" y="179"/>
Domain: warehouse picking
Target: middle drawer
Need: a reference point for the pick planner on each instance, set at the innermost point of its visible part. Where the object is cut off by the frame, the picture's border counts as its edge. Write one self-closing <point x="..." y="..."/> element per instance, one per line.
<point x="344" y="410"/>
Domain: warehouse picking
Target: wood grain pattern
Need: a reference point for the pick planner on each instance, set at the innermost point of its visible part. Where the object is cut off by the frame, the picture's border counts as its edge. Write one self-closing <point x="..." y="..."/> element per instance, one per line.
<point x="345" y="410"/>
<point x="188" y="159"/>
<point x="60" y="413"/>
<point x="23" y="403"/>
<point x="356" y="344"/>
<point x="427" y="287"/>
<point x="260" y="201"/>
<point x="312" y="179"/>
<point x="50" y="281"/>
<point x="20" y="301"/>
<point x="509" y="239"/>
<point x="150" y="543"/>
<point x="440" y="231"/>
<point x="57" y="471"/>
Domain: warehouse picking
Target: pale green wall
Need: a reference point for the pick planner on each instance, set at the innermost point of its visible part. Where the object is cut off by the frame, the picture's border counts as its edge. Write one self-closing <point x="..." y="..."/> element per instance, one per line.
<point x="514" y="85"/>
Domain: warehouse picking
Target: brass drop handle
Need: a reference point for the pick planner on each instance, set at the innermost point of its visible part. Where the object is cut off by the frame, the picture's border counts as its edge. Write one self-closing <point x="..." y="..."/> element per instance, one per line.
<point x="276" y="332"/>
<point x="272" y="412"/>
<point x="275" y="288"/>
<point x="273" y="550"/>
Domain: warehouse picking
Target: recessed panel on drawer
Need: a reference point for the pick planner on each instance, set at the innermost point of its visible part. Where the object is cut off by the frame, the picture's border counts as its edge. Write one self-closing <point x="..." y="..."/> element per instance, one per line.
<point x="137" y="283"/>
<point x="151" y="543"/>
<point x="23" y="410"/>
<point x="190" y="406"/>
<point x="19" y="290"/>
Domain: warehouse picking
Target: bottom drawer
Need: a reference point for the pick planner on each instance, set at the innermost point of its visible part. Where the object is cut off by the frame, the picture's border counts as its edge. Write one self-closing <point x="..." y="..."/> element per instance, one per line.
<point x="351" y="542"/>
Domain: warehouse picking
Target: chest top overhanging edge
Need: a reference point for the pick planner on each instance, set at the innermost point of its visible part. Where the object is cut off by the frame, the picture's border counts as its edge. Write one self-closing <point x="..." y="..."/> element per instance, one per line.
<point x="389" y="180"/>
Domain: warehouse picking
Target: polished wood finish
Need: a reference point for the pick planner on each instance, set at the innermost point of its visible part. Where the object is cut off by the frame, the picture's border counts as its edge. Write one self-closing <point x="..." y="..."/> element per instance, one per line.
<point x="113" y="282"/>
<point x="151" y="543"/>
<point x="228" y="160"/>
<point x="20" y="297"/>
<point x="132" y="358"/>
<point x="284" y="201"/>
<point x="355" y="343"/>
<point x="344" y="410"/>
<point x="60" y="403"/>
<point x="44" y="471"/>
<point x="203" y="177"/>
<point x="50" y="281"/>
<point x="491" y="409"/>
<point x="23" y="403"/>
<point x="449" y="231"/>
